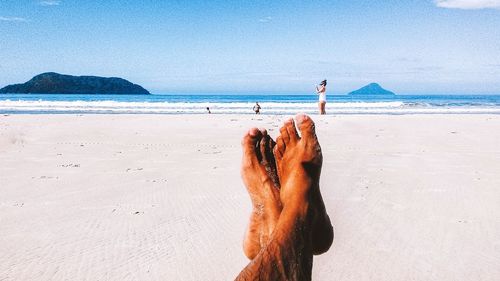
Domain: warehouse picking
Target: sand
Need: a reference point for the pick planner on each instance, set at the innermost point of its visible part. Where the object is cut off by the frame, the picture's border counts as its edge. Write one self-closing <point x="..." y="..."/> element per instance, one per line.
<point x="159" y="197"/>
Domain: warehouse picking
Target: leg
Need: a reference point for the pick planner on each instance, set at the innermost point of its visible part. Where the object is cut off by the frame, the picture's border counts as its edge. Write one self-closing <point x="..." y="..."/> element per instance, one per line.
<point x="261" y="179"/>
<point x="289" y="253"/>
<point x="322" y="107"/>
<point x="300" y="158"/>
<point x="259" y="175"/>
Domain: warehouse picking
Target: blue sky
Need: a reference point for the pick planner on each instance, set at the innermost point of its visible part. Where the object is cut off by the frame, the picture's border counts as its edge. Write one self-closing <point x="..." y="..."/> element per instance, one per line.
<point x="408" y="46"/>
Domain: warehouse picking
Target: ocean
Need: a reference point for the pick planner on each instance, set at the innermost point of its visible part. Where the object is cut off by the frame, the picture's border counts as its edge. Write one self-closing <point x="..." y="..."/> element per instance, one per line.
<point x="243" y="104"/>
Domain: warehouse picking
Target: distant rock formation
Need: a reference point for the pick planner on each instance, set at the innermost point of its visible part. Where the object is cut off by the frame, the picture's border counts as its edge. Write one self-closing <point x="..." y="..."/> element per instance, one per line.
<point x="55" y="83"/>
<point x="372" y="89"/>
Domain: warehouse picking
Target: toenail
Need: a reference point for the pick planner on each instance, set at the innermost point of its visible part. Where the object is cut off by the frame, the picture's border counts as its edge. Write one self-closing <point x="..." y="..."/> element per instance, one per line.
<point x="252" y="132"/>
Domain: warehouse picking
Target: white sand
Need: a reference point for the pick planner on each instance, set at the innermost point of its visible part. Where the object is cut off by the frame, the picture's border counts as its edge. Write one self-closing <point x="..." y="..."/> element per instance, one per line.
<point x="157" y="197"/>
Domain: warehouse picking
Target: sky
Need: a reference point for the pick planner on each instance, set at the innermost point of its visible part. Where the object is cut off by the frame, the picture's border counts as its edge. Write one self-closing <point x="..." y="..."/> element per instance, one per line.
<point x="261" y="46"/>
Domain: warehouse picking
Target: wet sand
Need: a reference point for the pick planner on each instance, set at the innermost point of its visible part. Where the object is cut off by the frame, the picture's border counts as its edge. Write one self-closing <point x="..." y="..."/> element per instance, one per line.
<point x="159" y="197"/>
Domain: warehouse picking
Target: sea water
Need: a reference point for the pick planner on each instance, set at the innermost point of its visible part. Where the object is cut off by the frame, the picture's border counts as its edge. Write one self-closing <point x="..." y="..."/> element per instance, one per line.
<point x="243" y="104"/>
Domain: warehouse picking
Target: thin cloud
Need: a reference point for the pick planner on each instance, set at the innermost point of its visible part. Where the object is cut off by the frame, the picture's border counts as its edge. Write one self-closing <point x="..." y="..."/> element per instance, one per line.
<point x="266" y="19"/>
<point x="468" y="4"/>
<point x="13" y="19"/>
<point x="50" y="3"/>
<point x="406" y="59"/>
<point x="427" y="68"/>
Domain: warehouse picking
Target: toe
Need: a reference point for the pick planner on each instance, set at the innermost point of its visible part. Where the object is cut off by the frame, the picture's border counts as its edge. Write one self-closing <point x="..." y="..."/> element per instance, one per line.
<point x="279" y="148"/>
<point x="249" y="144"/>
<point x="278" y="151"/>
<point x="271" y="144"/>
<point x="271" y="161"/>
<point x="292" y="132"/>
<point x="264" y="159"/>
<point x="284" y="133"/>
<point x="260" y="149"/>
<point x="250" y="139"/>
<point x="306" y="126"/>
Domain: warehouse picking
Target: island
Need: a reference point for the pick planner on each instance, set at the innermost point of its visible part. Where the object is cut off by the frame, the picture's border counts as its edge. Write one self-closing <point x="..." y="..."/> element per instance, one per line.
<point x="372" y="89"/>
<point x="55" y="83"/>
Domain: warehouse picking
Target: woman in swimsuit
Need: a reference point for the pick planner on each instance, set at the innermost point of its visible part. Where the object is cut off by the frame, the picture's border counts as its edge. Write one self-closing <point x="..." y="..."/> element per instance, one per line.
<point x="321" y="91"/>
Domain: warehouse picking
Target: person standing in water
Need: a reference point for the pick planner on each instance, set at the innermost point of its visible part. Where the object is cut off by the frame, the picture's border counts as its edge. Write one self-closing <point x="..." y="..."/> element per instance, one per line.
<point x="256" y="108"/>
<point x="321" y="91"/>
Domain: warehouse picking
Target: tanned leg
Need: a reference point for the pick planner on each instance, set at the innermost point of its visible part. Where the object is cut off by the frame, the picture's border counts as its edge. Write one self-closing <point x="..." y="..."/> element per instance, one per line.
<point x="289" y="253"/>
<point x="299" y="160"/>
<point x="258" y="171"/>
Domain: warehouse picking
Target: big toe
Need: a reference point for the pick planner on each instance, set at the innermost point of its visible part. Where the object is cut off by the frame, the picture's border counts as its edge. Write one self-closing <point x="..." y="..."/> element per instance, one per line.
<point x="249" y="144"/>
<point x="306" y="126"/>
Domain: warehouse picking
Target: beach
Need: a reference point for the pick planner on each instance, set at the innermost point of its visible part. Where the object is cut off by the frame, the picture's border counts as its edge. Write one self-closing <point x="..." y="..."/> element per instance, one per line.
<point x="159" y="197"/>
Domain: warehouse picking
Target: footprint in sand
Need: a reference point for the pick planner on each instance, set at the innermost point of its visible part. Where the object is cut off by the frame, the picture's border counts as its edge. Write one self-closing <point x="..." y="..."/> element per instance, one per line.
<point x="71" y="165"/>
<point x="46" y="177"/>
<point x="136" y="169"/>
<point x="157" y="181"/>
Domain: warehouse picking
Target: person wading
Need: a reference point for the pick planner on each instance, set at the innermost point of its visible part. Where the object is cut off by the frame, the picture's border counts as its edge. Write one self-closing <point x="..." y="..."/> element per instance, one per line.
<point x="256" y="108"/>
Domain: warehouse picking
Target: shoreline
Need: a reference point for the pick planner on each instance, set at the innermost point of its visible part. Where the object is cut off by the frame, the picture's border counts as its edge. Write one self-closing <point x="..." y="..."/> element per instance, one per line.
<point x="159" y="196"/>
<point x="243" y="104"/>
<point x="479" y="111"/>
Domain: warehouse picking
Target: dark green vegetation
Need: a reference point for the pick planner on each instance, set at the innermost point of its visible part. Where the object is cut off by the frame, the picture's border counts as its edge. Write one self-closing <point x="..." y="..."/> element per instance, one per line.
<point x="55" y="83"/>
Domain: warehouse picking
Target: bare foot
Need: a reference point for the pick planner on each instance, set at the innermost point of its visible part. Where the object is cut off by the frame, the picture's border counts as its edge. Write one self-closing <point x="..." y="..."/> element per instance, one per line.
<point x="299" y="162"/>
<point x="258" y="171"/>
<point x="288" y="255"/>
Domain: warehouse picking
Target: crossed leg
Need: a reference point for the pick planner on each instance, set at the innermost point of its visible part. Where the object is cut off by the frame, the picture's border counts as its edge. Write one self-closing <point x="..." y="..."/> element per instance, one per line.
<point x="287" y="252"/>
<point x="299" y="160"/>
<point x="258" y="171"/>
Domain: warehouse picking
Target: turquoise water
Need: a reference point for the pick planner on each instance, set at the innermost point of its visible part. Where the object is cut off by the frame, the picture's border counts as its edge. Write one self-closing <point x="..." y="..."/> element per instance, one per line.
<point x="242" y="104"/>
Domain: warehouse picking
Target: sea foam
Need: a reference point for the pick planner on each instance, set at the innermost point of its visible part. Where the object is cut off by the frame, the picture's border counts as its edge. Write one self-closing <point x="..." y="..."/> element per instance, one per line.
<point x="243" y="104"/>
